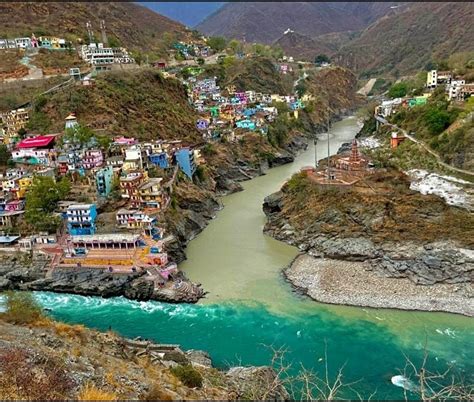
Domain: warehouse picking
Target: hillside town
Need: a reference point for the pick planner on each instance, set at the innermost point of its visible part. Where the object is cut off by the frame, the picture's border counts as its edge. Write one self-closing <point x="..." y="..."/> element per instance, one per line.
<point x="136" y="176"/>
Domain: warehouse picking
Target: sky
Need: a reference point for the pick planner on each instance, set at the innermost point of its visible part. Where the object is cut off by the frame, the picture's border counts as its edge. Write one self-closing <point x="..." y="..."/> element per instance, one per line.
<point x="188" y="13"/>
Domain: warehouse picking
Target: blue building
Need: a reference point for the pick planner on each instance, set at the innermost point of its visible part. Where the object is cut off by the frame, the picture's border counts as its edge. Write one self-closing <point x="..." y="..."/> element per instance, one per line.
<point x="103" y="181"/>
<point x="160" y="160"/>
<point x="81" y="219"/>
<point x="185" y="160"/>
<point x="246" y="124"/>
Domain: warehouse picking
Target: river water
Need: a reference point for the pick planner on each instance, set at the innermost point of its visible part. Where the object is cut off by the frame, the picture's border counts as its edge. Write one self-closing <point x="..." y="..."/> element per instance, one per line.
<point x="251" y="307"/>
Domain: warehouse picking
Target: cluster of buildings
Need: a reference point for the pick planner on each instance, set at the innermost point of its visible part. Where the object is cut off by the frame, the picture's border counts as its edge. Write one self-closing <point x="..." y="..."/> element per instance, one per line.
<point x="392" y="106"/>
<point x="456" y="89"/>
<point x="228" y="114"/>
<point x="42" y="42"/>
<point x="191" y="50"/>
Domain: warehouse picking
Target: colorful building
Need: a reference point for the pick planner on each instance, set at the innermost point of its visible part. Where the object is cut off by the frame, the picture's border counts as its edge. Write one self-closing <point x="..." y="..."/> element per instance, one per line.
<point x="92" y="158"/>
<point x="159" y="159"/>
<point x="129" y="187"/>
<point x="185" y="160"/>
<point x="81" y="219"/>
<point x="103" y="181"/>
<point x="151" y="194"/>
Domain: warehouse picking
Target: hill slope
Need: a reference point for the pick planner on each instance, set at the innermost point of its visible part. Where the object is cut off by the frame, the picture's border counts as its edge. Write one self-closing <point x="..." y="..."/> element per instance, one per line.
<point x="132" y="25"/>
<point x="302" y="47"/>
<point x="406" y="41"/>
<point x="266" y="22"/>
<point x="139" y="103"/>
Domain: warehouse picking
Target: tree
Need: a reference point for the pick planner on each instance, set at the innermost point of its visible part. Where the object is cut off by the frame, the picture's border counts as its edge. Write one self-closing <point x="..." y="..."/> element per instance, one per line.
<point x="321" y="58"/>
<point x="398" y="90"/>
<point x="217" y="43"/>
<point x="235" y="46"/>
<point x="21" y="308"/>
<point x="42" y="199"/>
<point x="5" y="155"/>
<point x="301" y="88"/>
<point x="200" y="61"/>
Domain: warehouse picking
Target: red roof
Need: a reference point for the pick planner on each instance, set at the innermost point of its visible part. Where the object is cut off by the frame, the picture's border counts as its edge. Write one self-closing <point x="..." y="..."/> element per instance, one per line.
<point x="35" y="142"/>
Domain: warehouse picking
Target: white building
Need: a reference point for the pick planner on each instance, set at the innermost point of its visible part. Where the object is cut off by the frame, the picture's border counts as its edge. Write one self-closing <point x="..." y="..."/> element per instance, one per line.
<point x="454" y="89"/>
<point x="98" y="55"/>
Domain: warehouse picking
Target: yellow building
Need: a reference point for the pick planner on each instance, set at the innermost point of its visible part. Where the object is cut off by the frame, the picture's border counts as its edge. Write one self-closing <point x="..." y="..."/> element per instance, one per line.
<point x="151" y="194"/>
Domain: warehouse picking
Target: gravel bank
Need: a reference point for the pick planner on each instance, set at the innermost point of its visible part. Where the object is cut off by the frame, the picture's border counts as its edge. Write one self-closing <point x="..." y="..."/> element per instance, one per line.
<point x="356" y="284"/>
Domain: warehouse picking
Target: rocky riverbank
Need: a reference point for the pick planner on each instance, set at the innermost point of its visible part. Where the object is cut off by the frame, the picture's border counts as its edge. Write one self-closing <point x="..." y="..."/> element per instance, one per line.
<point x="53" y="360"/>
<point x="198" y="204"/>
<point x="354" y="283"/>
<point x="32" y="273"/>
<point x="378" y="245"/>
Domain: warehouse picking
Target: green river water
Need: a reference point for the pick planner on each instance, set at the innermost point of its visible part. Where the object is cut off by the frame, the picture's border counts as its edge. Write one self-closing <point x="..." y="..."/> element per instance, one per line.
<point x="250" y="305"/>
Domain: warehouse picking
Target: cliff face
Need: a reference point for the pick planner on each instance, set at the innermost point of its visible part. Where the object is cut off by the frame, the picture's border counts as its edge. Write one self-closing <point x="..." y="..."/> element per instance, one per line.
<point x="52" y="360"/>
<point x="400" y="232"/>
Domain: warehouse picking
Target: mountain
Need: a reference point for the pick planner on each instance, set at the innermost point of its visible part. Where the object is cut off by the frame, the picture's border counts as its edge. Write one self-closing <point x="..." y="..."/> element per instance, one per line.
<point x="132" y="25"/>
<point x="406" y="40"/>
<point x="266" y="21"/>
<point x="302" y="47"/>
<point x="188" y="13"/>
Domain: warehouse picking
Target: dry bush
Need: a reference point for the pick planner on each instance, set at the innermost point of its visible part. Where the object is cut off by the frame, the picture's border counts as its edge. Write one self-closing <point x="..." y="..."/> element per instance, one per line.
<point x="25" y="375"/>
<point x="91" y="393"/>
<point x="188" y="375"/>
<point x="21" y="308"/>
<point x="157" y="393"/>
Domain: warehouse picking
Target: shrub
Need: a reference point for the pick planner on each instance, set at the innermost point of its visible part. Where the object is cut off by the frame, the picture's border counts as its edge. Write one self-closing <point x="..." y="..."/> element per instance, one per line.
<point x="90" y="393"/>
<point x="21" y="308"/>
<point x="156" y="393"/>
<point x="188" y="375"/>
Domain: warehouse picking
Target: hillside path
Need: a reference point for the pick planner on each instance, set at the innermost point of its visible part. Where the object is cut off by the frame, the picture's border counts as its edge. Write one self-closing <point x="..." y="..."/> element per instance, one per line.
<point x="365" y="90"/>
<point x="425" y="147"/>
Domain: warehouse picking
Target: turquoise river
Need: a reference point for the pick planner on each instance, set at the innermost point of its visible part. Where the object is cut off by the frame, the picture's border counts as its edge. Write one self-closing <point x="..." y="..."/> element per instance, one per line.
<point x="251" y="307"/>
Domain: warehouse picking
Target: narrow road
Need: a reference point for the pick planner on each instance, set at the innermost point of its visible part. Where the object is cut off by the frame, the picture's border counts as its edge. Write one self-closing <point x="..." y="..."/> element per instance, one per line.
<point x="365" y="90"/>
<point x="425" y="147"/>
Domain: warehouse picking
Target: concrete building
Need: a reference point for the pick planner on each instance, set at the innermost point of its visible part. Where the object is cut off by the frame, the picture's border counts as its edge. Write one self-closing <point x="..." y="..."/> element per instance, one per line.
<point x="129" y="187"/>
<point x="81" y="219"/>
<point x="92" y="158"/>
<point x="11" y="122"/>
<point x="185" y="160"/>
<point x="103" y="181"/>
<point x="151" y="194"/>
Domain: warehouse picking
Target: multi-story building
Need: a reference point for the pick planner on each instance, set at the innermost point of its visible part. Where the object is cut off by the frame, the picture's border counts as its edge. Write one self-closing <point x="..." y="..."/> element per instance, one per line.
<point x="34" y="150"/>
<point x="151" y="194"/>
<point x="11" y="122"/>
<point x="435" y="77"/>
<point x="185" y="160"/>
<point x="103" y="181"/>
<point x="92" y="158"/>
<point x="454" y="89"/>
<point x="81" y="219"/>
<point x="133" y="158"/>
<point x="129" y="187"/>
<point x="134" y="219"/>
<point x="98" y="55"/>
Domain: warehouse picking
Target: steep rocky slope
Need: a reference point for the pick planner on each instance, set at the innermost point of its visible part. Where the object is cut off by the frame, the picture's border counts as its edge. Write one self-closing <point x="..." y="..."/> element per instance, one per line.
<point x="302" y="47"/>
<point x="52" y="360"/>
<point x="406" y="40"/>
<point x="266" y="22"/>
<point x="401" y="232"/>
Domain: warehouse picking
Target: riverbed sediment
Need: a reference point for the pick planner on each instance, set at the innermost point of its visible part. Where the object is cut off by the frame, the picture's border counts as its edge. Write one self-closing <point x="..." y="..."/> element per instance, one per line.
<point x="356" y="283"/>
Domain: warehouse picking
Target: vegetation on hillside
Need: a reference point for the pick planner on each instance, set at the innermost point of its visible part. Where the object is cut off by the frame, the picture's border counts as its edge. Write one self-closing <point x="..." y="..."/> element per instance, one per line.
<point x="385" y="206"/>
<point x="139" y="103"/>
<point x="41" y="201"/>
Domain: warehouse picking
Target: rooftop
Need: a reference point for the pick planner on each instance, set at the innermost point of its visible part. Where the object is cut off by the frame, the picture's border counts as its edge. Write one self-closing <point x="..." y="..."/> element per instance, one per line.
<point x="38" y="141"/>
<point x="109" y="237"/>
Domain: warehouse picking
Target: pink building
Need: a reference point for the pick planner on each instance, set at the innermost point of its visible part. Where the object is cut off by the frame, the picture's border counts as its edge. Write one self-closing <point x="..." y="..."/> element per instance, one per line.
<point x="14" y="206"/>
<point x="92" y="158"/>
<point x="124" y="141"/>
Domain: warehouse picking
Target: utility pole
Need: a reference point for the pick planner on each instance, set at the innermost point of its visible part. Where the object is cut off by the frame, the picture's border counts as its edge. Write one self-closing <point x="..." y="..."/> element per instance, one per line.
<point x="104" y="34"/>
<point x="89" y="32"/>
<point x="315" y="153"/>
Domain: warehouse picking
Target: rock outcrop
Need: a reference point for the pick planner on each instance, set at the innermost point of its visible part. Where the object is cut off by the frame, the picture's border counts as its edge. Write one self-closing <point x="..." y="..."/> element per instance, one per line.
<point x="31" y="273"/>
<point x="400" y="234"/>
